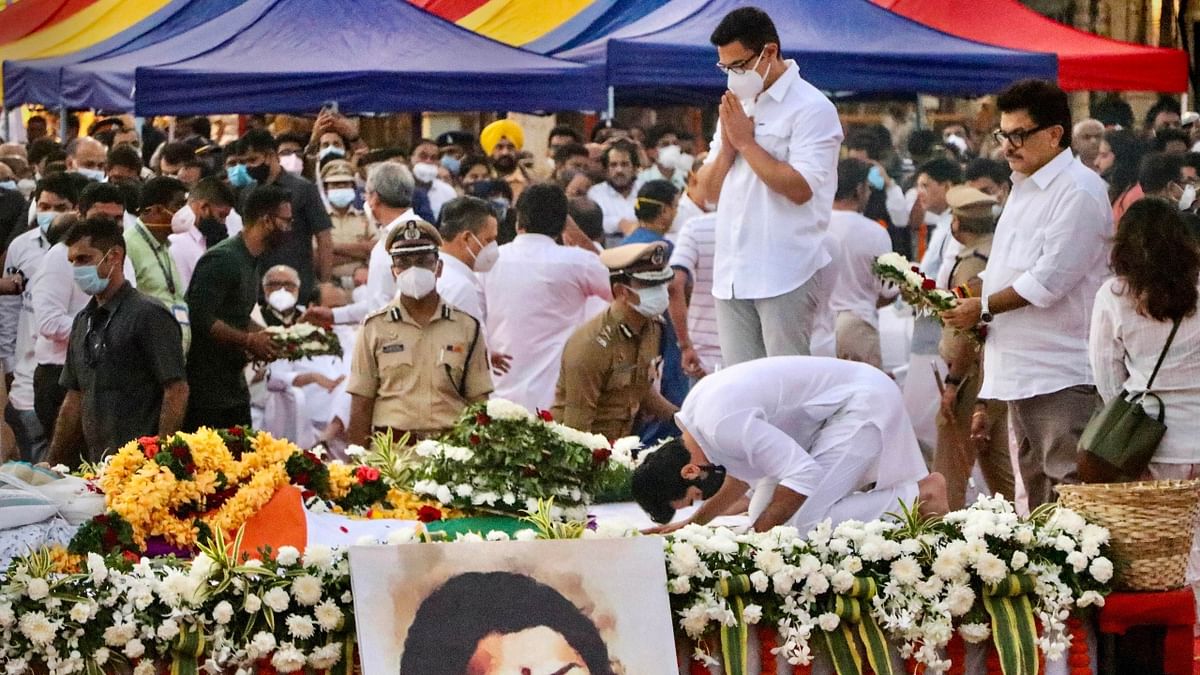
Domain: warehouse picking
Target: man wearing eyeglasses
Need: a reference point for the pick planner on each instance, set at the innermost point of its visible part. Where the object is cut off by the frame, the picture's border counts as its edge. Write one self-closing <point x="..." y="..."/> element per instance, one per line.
<point x="772" y="169"/>
<point x="417" y="361"/>
<point x="1049" y="257"/>
<point x="124" y="372"/>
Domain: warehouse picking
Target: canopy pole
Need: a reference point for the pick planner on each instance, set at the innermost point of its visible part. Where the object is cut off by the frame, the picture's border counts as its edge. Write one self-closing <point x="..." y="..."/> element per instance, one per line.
<point x="922" y="120"/>
<point x="62" y="124"/>
<point x="7" y="127"/>
<point x="612" y="108"/>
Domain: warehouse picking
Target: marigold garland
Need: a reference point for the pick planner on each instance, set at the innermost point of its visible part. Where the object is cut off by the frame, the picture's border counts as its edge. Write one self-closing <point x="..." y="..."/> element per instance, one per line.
<point x="766" y="649"/>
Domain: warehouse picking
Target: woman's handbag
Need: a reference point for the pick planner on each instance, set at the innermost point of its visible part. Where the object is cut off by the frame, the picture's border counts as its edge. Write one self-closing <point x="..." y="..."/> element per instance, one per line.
<point x="1120" y="440"/>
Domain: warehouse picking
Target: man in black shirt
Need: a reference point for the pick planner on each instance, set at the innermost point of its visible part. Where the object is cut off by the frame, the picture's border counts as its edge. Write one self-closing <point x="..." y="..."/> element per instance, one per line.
<point x="309" y="218"/>
<point x="124" y="372"/>
<point x="222" y="293"/>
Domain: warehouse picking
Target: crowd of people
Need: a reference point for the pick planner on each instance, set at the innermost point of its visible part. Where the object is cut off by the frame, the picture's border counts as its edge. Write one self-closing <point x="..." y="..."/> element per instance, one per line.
<point x="610" y="278"/>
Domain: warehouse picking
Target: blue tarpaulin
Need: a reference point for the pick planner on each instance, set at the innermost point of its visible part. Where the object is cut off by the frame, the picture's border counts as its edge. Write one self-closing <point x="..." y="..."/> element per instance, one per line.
<point x="40" y="80"/>
<point x="841" y="46"/>
<point x="601" y="18"/>
<point x="369" y="56"/>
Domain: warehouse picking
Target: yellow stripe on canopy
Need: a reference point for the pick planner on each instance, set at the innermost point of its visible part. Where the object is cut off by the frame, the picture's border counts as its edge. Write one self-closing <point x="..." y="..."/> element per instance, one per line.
<point x="519" y="22"/>
<point x="93" y="24"/>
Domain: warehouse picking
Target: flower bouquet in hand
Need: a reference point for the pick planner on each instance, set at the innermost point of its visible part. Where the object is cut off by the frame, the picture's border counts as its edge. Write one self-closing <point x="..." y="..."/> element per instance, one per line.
<point x="918" y="290"/>
<point x="303" y="340"/>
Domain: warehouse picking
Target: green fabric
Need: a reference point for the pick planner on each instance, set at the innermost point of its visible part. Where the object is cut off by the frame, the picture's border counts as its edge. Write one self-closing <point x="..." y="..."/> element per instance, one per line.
<point x="1014" y="630"/>
<point x="481" y="525"/>
<point x="149" y="258"/>
<point x="224" y="288"/>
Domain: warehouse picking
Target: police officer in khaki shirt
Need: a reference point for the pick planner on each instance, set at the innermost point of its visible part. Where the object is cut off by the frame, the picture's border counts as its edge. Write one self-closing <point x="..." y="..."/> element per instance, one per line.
<point x="418" y="361"/>
<point x="610" y="363"/>
<point x="970" y="429"/>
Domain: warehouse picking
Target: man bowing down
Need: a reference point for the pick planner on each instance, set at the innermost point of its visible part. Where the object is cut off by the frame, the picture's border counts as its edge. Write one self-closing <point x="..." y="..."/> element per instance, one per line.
<point x="833" y="436"/>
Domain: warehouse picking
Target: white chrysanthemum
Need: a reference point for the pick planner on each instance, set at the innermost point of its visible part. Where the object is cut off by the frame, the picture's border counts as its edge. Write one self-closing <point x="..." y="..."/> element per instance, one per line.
<point x="307" y="590"/>
<point x="81" y="612"/>
<point x="37" y="628"/>
<point x="502" y="409"/>
<point x="842" y="581"/>
<point x="1088" y="598"/>
<point x="318" y="556"/>
<point x="444" y="495"/>
<point x="287" y="556"/>
<point x="817" y="583"/>
<point x="277" y="599"/>
<point x="223" y="612"/>
<point x="288" y="659"/>
<point x="117" y="635"/>
<point x="134" y="649"/>
<point x="906" y="570"/>
<point x="326" y="656"/>
<point x="960" y="599"/>
<point x="1101" y="569"/>
<point x="760" y="581"/>
<point x="498" y="535"/>
<point x="147" y="667"/>
<point x="1019" y="560"/>
<point x="526" y="535"/>
<point x="300" y="626"/>
<point x="168" y="630"/>
<point x="991" y="568"/>
<point x="252" y="603"/>
<point x="752" y="614"/>
<point x="7" y="616"/>
<point x="679" y="585"/>
<point x="96" y="567"/>
<point x="1077" y="560"/>
<point x="428" y="448"/>
<point x="202" y="567"/>
<point x="828" y="621"/>
<point x="328" y="616"/>
<point x="974" y="633"/>
<point x="353" y="451"/>
<point x="37" y="589"/>
<point x="101" y="656"/>
<point x="694" y="620"/>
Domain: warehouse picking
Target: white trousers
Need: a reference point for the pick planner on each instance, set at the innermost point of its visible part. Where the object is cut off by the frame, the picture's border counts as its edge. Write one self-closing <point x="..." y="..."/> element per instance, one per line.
<point x="863" y="478"/>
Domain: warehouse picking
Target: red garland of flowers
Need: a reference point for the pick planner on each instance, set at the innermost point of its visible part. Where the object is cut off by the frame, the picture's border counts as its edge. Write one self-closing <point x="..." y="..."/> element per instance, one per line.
<point x="994" y="666"/>
<point x="766" y="646"/>
<point x="805" y="669"/>
<point x="956" y="652"/>
<point x="1079" y="661"/>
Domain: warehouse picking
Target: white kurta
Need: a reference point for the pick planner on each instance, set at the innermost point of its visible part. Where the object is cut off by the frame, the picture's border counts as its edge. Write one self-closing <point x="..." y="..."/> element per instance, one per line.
<point x="834" y="431"/>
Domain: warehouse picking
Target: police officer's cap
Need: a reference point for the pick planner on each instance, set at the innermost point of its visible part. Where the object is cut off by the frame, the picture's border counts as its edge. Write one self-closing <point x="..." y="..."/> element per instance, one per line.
<point x="644" y="262"/>
<point x="965" y="200"/>
<point x="463" y="139"/>
<point x="412" y="237"/>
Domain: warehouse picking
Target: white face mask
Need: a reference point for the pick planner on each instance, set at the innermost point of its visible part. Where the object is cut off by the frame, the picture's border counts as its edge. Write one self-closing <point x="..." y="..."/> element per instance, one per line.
<point x="91" y="174"/>
<point x="748" y="84"/>
<point x="182" y="220"/>
<point x="425" y="172"/>
<point x="26" y="186"/>
<point x="340" y="197"/>
<point x="416" y="282"/>
<point x="292" y="164"/>
<point x="652" y="301"/>
<point x="281" y="300"/>
<point x="487" y="256"/>
<point x="1187" y="198"/>
<point x="668" y="157"/>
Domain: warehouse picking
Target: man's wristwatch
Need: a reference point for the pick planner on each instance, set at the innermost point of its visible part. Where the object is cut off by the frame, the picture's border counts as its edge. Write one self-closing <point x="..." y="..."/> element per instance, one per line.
<point x="984" y="315"/>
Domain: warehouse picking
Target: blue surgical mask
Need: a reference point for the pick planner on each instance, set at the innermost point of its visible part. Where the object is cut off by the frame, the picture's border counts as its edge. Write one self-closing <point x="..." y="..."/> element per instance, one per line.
<point x="340" y="197"/>
<point x="91" y="174"/>
<point x="238" y="176"/>
<point x="44" y="220"/>
<point x="452" y="164"/>
<point x="8" y="185"/>
<point x="88" y="278"/>
<point x="875" y="178"/>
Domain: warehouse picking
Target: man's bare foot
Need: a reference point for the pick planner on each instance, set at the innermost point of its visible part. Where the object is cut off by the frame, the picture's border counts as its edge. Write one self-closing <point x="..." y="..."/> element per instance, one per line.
<point x="931" y="490"/>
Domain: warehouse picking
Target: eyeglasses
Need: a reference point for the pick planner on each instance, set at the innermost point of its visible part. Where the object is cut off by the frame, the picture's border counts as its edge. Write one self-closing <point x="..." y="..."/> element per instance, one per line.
<point x="1017" y="138"/>
<point x="739" y="67"/>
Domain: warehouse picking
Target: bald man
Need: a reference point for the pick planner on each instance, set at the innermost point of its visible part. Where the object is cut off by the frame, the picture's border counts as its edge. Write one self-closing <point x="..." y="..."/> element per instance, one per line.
<point x="86" y="156"/>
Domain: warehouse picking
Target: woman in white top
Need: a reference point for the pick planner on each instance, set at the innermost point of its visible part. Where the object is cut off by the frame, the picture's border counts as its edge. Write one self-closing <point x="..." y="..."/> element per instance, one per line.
<point x="1157" y="264"/>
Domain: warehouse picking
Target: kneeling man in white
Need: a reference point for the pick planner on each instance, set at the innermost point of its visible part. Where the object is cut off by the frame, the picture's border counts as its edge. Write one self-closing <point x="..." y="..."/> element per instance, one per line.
<point x="832" y="437"/>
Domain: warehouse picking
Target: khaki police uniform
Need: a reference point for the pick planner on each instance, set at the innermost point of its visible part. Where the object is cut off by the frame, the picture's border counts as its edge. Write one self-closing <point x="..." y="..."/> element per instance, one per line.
<point x="956" y="453"/>
<point x="609" y="368"/>
<point x="420" y="377"/>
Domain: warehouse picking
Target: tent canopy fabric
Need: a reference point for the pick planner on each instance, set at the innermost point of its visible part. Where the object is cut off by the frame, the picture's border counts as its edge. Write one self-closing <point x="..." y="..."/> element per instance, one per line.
<point x="40" y="80"/>
<point x="1085" y="61"/>
<point x="596" y="21"/>
<point x="93" y="24"/>
<point x="24" y="18"/>
<point x="847" y="46"/>
<point x="369" y="56"/>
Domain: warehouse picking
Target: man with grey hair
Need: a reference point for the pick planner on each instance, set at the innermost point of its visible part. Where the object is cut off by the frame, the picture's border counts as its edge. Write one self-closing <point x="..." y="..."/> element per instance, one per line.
<point x="1085" y="140"/>
<point x="388" y="201"/>
<point x="86" y="156"/>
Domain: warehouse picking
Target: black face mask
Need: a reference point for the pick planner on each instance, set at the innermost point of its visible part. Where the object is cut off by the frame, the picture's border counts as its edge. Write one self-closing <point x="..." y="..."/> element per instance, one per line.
<point x="714" y="478"/>
<point x="506" y="164"/>
<point x="212" y="229"/>
<point x="259" y="173"/>
<point x="277" y="238"/>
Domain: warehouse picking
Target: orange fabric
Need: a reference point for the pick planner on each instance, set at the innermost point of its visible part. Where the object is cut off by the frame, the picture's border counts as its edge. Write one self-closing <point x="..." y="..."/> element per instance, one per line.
<point x="280" y="523"/>
<point x="1174" y="610"/>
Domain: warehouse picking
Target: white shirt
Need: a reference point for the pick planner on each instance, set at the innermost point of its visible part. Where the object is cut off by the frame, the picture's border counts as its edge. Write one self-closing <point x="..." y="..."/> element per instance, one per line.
<point x="857" y="289"/>
<point x="25" y="255"/>
<point x="1124" y="346"/>
<point x="762" y="419"/>
<point x="687" y="210"/>
<point x="1051" y="247"/>
<point x="615" y="206"/>
<point x="768" y="245"/>
<point x="439" y="193"/>
<point x="56" y="301"/>
<point x="694" y="254"/>
<point x="460" y="286"/>
<point x="943" y="249"/>
<point x="535" y="296"/>
<point x="897" y="206"/>
<point x="186" y="248"/>
<point x="381" y="285"/>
